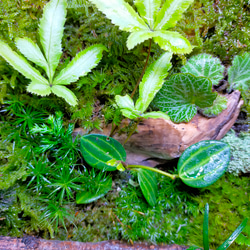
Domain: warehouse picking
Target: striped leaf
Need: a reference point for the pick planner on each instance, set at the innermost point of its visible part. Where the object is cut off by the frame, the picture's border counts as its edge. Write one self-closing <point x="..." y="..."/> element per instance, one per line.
<point x="51" y="32"/>
<point x="152" y="81"/>
<point x="205" y="65"/>
<point x="170" y="13"/>
<point x="32" y="52"/>
<point x="203" y="163"/>
<point x="148" y="184"/>
<point x="97" y="150"/>
<point x="138" y="37"/>
<point x="147" y="10"/>
<point x="65" y="93"/>
<point x="122" y="14"/>
<point x="81" y="65"/>
<point x="20" y="64"/>
<point x="239" y="73"/>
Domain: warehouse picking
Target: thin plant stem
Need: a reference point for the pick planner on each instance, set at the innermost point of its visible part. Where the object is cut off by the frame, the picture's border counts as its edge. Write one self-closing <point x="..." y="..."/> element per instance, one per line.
<point x="172" y="176"/>
<point x="132" y="131"/>
<point x="143" y="71"/>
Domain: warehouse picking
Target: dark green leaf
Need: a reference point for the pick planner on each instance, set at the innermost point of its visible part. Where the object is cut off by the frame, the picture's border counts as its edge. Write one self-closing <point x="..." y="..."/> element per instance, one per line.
<point x="97" y="150"/>
<point x="205" y="228"/>
<point x="203" y="163"/>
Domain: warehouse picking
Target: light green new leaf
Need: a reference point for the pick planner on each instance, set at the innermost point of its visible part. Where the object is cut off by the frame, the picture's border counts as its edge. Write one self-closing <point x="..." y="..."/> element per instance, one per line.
<point x="205" y="65"/>
<point x="51" y="32"/>
<point x="239" y="73"/>
<point x="172" y="41"/>
<point x="39" y="89"/>
<point x="81" y="65"/>
<point x="152" y="81"/>
<point x="138" y="37"/>
<point x="131" y="114"/>
<point x="121" y="14"/>
<point x="155" y="115"/>
<point x="19" y="63"/>
<point x="170" y="13"/>
<point x="147" y="10"/>
<point x="32" y="52"/>
<point x="124" y="102"/>
<point x="65" y="93"/>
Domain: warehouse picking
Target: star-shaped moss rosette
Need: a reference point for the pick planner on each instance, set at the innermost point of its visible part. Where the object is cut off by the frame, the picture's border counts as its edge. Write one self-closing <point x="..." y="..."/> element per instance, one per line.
<point x="183" y="94"/>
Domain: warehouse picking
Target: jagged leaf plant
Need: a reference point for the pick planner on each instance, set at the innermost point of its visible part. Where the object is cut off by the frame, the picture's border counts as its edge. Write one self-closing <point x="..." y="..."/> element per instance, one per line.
<point x="51" y="32"/>
<point x="152" y="21"/>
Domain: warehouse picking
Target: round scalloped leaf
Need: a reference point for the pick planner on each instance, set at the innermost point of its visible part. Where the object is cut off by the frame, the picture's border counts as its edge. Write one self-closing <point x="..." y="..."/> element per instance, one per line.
<point x="97" y="150"/>
<point x="203" y="163"/>
<point x="205" y="65"/>
<point x="182" y="94"/>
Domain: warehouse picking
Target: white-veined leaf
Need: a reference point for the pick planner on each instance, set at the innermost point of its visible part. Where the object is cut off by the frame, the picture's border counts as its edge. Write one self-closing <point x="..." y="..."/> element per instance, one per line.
<point x="170" y="13"/>
<point x="19" y="63"/>
<point x="124" y="102"/>
<point x="32" y="52"/>
<point x="172" y="41"/>
<point x="138" y="37"/>
<point x="51" y="32"/>
<point x="81" y="65"/>
<point x="155" y="115"/>
<point x="65" y="93"/>
<point x="121" y="14"/>
<point x="38" y="88"/>
<point x="152" y="81"/>
<point x="147" y="10"/>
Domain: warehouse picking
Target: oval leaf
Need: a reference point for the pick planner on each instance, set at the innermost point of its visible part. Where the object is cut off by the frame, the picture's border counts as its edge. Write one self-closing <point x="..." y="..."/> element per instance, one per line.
<point x="97" y="150"/>
<point x="203" y="163"/>
<point x="148" y="184"/>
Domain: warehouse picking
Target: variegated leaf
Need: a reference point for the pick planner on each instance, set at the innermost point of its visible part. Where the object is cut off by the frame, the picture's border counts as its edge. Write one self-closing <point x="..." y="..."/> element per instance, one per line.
<point x="51" y="32"/>
<point x="138" y="37"/>
<point x="65" y="93"/>
<point x="81" y="65"/>
<point x="39" y="89"/>
<point x="172" y="41"/>
<point x="32" y="52"/>
<point x="152" y="81"/>
<point x="170" y="13"/>
<point x="205" y="65"/>
<point x="121" y="14"/>
<point x="19" y="63"/>
<point x="147" y="10"/>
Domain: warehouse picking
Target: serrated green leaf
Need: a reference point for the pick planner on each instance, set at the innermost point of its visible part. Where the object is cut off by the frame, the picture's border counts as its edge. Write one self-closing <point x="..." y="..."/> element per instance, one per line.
<point x="155" y="115"/>
<point x="20" y="64"/>
<point x="147" y="10"/>
<point x="65" y="93"/>
<point x="239" y="73"/>
<point x="125" y="102"/>
<point x="38" y="88"/>
<point x="131" y="114"/>
<point x="85" y="197"/>
<point x="138" y="37"/>
<point x="81" y="65"/>
<point x="182" y="94"/>
<point x="97" y="150"/>
<point x="148" y="184"/>
<point x="203" y="163"/>
<point x="32" y="52"/>
<point x="152" y="81"/>
<point x="244" y="237"/>
<point x="205" y="65"/>
<point x="172" y="41"/>
<point x="121" y="14"/>
<point x="51" y="32"/>
<point x="170" y="13"/>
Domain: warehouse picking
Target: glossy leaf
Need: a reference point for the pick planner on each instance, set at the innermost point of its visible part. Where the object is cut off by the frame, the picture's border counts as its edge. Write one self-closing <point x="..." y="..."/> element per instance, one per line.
<point x="97" y="150"/>
<point x="85" y="197"/>
<point x="65" y="93"/>
<point x="148" y="184"/>
<point x="203" y="163"/>
<point x="172" y="41"/>
<point x="81" y="65"/>
<point x="239" y="73"/>
<point x="121" y="14"/>
<point x="170" y="13"/>
<point x="39" y="89"/>
<point x="205" y="65"/>
<point x="182" y="94"/>
<point x="205" y="228"/>
<point x="152" y="81"/>
<point x="51" y="32"/>
<point x="138" y="37"/>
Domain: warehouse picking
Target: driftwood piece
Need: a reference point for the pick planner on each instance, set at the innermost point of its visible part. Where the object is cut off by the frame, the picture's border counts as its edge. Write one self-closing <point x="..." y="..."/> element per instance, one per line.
<point x="159" y="139"/>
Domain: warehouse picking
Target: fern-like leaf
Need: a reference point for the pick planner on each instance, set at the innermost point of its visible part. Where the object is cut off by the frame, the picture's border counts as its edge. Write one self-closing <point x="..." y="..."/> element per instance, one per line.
<point x="65" y="93"/>
<point x="51" y="32"/>
<point x="81" y="65"/>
